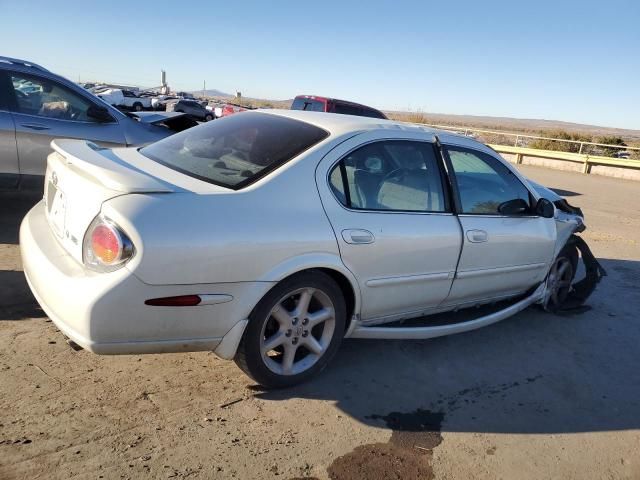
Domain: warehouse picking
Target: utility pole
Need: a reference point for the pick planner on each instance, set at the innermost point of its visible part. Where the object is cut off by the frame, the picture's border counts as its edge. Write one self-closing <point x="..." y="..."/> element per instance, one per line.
<point x="204" y="87"/>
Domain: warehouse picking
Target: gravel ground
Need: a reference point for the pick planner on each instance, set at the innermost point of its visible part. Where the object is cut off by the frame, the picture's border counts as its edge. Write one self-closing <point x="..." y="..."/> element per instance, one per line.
<point x="536" y="396"/>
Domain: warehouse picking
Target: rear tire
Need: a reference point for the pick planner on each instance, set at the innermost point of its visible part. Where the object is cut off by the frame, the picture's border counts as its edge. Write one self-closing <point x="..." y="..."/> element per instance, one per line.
<point x="294" y="331"/>
<point x="137" y="107"/>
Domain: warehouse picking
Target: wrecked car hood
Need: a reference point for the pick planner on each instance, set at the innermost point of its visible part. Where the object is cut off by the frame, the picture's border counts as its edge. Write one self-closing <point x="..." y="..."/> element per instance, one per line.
<point x="544" y="191"/>
<point x="154" y="117"/>
<point x="143" y="128"/>
<point x="175" y="121"/>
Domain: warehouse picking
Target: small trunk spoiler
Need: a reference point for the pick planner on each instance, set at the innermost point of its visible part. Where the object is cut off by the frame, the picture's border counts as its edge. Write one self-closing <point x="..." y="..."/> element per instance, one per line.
<point x="105" y="168"/>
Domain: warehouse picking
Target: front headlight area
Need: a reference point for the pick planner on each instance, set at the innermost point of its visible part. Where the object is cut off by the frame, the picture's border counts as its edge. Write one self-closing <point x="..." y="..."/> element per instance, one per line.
<point x="106" y="247"/>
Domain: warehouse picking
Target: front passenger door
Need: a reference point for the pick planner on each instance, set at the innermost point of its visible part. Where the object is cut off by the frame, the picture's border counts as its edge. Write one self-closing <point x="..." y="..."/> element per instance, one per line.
<point x="502" y="254"/>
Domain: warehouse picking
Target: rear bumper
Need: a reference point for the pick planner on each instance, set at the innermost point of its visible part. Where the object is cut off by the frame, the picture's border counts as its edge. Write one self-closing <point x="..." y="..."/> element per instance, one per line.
<point x="105" y="312"/>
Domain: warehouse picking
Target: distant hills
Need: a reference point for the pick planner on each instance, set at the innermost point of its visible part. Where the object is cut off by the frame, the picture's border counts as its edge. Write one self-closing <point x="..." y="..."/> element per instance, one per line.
<point x="477" y="121"/>
<point x="212" y="92"/>
<point x="521" y="124"/>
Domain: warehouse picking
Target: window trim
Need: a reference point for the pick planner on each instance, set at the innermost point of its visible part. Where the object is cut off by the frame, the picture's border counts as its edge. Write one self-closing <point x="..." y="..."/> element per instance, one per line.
<point x="12" y="101"/>
<point x="345" y="183"/>
<point x="456" y="191"/>
<point x="5" y="86"/>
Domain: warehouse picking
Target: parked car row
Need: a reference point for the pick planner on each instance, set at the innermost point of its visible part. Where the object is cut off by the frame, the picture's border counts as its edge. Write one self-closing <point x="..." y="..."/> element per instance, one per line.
<point x="200" y="110"/>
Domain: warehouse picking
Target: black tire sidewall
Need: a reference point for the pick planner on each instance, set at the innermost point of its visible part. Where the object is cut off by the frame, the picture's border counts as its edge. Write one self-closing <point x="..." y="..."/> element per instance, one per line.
<point x="249" y="358"/>
<point x="570" y="252"/>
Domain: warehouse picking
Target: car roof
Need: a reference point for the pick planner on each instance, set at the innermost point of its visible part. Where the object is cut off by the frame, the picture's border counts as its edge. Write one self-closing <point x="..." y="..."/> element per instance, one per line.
<point x="9" y="62"/>
<point x="339" y="124"/>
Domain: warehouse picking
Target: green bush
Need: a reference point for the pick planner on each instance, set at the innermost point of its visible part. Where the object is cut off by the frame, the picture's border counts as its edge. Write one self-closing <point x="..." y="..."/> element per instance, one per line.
<point x="559" y="145"/>
<point x="607" y="151"/>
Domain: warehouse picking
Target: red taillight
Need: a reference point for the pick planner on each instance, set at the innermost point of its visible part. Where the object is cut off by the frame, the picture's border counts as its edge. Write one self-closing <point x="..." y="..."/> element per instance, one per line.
<point x="105" y="247"/>
<point x="106" y="244"/>
<point x="180" y="301"/>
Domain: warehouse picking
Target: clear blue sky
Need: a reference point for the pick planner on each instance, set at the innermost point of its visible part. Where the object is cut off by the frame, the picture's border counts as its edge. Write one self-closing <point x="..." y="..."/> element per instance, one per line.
<point x="563" y="60"/>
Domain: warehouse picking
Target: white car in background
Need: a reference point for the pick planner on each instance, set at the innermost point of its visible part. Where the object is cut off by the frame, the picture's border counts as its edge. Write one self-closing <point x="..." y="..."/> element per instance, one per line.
<point x="270" y="236"/>
<point x="126" y="99"/>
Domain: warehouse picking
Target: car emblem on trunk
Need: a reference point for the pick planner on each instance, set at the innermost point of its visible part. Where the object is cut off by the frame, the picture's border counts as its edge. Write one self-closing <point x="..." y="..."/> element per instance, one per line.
<point x="54" y="179"/>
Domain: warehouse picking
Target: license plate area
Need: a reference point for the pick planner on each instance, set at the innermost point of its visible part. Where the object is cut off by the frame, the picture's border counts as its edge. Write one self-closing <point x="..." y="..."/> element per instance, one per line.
<point x="56" y="209"/>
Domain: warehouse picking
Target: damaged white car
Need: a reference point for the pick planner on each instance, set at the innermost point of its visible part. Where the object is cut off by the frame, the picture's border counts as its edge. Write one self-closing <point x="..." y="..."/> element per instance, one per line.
<point x="269" y="236"/>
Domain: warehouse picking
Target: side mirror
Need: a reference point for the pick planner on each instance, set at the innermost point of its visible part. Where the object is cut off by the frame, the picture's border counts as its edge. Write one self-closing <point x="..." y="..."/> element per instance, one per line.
<point x="101" y="114"/>
<point x="517" y="206"/>
<point x="544" y="208"/>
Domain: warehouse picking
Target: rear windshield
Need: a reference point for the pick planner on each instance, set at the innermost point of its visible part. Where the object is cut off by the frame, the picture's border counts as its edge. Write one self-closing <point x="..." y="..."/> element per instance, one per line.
<point x="301" y="103"/>
<point x="236" y="150"/>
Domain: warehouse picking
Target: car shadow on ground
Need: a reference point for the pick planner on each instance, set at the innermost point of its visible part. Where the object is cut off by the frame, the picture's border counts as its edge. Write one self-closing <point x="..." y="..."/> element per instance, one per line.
<point x="565" y="193"/>
<point x="13" y="207"/>
<point x="533" y="373"/>
<point x="16" y="300"/>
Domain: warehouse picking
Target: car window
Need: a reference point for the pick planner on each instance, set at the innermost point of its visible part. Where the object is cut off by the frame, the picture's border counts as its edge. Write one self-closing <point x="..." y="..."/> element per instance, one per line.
<point x="390" y="175"/>
<point x="46" y="98"/>
<point x="6" y="89"/>
<point x="347" y="109"/>
<point x="484" y="183"/>
<point x="370" y="112"/>
<point x="236" y="150"/>
<point x="301" y="103"/>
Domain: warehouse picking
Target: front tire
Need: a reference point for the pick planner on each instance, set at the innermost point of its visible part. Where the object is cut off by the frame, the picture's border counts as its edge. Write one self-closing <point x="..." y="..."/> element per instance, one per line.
<point x="208" y="118"/>
<point x="560" y="277"/>
<point x="294" y="331"/>
<point x="137" y="107"/>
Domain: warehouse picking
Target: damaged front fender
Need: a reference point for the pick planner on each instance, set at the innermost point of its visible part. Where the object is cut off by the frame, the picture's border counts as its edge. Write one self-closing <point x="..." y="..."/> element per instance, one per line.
<point x="578" y="291"/>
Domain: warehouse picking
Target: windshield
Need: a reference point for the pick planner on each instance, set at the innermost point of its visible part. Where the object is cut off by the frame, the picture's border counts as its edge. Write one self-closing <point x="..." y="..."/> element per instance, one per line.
<point x="237" y="150"/>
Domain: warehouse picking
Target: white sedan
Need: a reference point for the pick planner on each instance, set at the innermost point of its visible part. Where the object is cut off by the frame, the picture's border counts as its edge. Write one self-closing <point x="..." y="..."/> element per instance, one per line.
<point x="269" y="236"/>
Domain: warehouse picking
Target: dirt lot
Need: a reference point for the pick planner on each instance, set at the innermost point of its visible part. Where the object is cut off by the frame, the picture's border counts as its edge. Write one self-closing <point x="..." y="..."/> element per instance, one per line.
<point x="536" y="396"/>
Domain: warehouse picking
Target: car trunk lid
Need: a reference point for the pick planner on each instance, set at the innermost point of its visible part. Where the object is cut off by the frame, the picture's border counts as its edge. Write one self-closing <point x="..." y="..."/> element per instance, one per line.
<point x="80" y="177"/>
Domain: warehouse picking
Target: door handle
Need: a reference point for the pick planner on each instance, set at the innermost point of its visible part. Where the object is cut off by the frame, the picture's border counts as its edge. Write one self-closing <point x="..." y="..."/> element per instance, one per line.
<point x="477" y="236"/>
<point x="358" y="236"/>
<point x="35" y="126"/>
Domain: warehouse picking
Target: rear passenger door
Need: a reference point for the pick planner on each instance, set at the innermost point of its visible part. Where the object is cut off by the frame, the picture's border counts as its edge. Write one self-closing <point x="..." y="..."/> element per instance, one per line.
<point x="391" y="216"/>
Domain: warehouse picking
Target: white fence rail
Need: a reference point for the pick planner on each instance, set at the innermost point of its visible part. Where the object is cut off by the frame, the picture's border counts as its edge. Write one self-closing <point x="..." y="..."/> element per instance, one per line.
<point x="524" y="140"/>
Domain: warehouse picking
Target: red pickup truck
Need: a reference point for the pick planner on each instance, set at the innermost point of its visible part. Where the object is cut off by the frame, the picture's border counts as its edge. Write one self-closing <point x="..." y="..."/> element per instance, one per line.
<point x="333" y="105"/>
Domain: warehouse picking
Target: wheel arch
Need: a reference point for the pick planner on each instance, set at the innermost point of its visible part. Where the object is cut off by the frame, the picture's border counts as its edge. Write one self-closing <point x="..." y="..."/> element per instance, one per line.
<point x="330" y="265"/>
<point x="338" y="273"/>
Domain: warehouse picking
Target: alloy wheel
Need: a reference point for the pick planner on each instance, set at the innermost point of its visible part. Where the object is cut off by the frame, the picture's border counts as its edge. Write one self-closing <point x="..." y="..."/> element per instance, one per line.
<point x="297" y="331"/>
